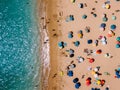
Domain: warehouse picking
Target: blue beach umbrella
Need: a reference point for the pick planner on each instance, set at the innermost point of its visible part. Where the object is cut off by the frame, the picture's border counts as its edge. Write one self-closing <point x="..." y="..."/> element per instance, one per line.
<point x="75" y="80"/>
<point x="117" y="73"/>
<point x="70" y="35"/>
<point x="77" y="43"/>
<point x="113" y="27"/>
<point x="77" y="85"/>
<point x="60" y="44"/>
<point x="89" y="41"/>
<point x="92" y="89"/>
<point x="70" y="73"/>
<point x="103" y="25"/>
<point x="71" y="18"/>
<point x="81" y="31"/>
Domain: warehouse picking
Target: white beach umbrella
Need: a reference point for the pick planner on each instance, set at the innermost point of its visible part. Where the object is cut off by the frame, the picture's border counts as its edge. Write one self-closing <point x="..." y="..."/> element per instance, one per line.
<point x="96" y="69"/>
<point x="95" y="75"/>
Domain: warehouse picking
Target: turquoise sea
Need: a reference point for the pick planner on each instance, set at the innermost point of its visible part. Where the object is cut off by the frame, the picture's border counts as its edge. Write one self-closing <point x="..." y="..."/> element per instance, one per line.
<point x="19" y="45"/>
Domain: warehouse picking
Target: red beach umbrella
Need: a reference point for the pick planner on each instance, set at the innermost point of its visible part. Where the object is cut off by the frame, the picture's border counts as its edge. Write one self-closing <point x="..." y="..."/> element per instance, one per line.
<point x="88" y="82"/>
<point x="102" y="82"/>
<point x="99" y="51"/>
<point x="91" y="60"/>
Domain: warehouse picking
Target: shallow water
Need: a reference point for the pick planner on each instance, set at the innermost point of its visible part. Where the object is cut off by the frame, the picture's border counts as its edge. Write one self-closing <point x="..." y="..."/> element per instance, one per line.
<point x="19" y="45"/>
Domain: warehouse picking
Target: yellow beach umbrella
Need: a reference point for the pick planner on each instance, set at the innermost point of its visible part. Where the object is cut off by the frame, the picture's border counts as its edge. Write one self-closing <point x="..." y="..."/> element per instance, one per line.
<point x="93" y="72"/>
<point x="98" y="82"/>
<point x="107" y="6"/>
<point x="73" y="1"/>
<point x="61" y="73"/>
<point x="80" y="35"/>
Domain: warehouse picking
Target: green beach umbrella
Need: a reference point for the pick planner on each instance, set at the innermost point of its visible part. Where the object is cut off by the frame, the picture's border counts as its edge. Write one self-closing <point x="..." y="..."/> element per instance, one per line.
<point x="113" y="17"/>
<point x="117" y="45"/>
<point x="105" y="19"/>
<point x="84" y="16"/>
<point x="113" y="27"/>
<point x="118" y="38"/>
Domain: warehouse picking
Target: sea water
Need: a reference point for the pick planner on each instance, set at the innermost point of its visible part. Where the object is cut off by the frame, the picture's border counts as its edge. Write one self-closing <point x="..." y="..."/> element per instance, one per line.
<point x="19" y="45"/>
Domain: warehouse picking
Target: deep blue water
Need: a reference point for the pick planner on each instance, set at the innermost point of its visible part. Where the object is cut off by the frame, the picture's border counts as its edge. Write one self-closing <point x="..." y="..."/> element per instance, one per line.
<point x="19" y="45"/>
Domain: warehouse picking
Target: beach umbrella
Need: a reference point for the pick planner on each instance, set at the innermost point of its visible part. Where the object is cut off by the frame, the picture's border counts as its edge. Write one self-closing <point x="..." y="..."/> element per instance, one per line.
<point x="80" y="35"/>
<point x="70" y="73"/>
<point x="113" y="17"/>
<point x="93" y="72"/>
<point x="71" y="51"/>
<point x="81" y="5"/>
<point x="91" y="60"/>
<point x="96" y="69"/>
<point x="98" y="82"/>
<point x="71" y="18"/>
<point x="103" y="25"/>
<point x="75" y="80"/>
<point x="84" y="16"/>
<point x="81" y="59"/>
<point x="70" y="35"/>
<point x="72" y="66"/>
<point x="102" y="29"/>
<point x="118" y="38"/>
<point x="71" y="55"/>
<point x="95" y="15"/>
<point x="92" y="89"/>
<point x="89" y="41"/>
<point x="117" y="73"/>
<point x="77" y="85"/>
<point x="61" y="73"/>
<point x="105" y="19"/>
<point x="113" y="27"/>
<point x="77" y="43"/>
<point x="73" y="1"/>
<point x="106" y="88"/>
<point x="107" y="6"/>
<point x="117" y="45"/>
<point x="95" y="75"/>
<point x="102" y="82"/>
<point x="104" y="42"/>
<point x="99" y="51"/>
<point x="81" y="31"/>
<point x="88" y="82"/>
<point x="103" y="39"/>
<point x="61" y="44"/>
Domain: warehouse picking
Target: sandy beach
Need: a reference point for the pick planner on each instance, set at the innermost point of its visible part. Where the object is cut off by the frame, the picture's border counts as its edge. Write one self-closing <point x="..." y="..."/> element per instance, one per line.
<point x="85" y="14"/>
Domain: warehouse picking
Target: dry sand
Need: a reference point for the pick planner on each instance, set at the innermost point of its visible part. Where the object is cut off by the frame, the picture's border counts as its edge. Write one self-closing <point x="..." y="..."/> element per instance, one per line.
<point x="58" y="31"/>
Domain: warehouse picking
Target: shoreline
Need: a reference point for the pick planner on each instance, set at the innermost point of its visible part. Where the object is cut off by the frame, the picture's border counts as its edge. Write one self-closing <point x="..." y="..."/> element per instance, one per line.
<point x="44" y="44"/>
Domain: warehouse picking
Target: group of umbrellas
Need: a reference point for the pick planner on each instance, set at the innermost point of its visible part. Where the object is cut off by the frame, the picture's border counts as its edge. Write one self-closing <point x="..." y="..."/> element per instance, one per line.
<point x="77" y="83"/>
<point x="118" y="42"/>
<point x="69" y="18"/>
<point x="70" y="52"/>
<point x="107" y="88"/>
<point x="117" y="72"/>
<point x="103" y="40"/>
<point x="62" y="44"/>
